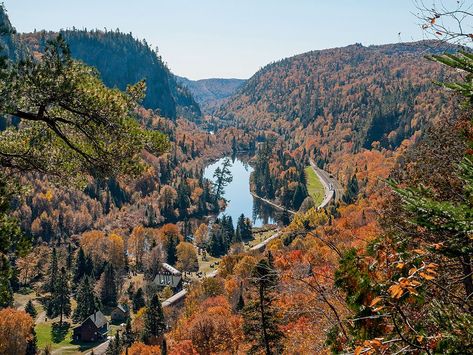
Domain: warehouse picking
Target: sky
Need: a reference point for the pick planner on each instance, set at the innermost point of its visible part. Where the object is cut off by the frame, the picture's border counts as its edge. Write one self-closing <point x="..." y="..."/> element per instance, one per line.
<point x="228" y="38"/>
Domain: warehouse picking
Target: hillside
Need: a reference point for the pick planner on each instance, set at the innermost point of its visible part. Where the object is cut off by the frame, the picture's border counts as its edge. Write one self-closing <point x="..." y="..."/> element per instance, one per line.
<point x="344" y="99"/>
<point x="122" y="60"/>
<point x="210" y="93"/>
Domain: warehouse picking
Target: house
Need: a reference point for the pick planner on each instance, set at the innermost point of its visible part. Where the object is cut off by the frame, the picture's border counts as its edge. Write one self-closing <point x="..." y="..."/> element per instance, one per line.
<point x="120" y="313"/>
<point x="94" y="328"/>
<point x="168" y="276"/>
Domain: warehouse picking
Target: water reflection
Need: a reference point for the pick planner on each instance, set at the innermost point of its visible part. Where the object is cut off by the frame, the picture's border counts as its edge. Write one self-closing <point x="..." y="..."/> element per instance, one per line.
<point x="239" y="196"/>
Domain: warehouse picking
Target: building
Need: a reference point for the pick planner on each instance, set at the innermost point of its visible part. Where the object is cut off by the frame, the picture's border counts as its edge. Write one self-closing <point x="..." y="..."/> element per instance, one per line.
<point x="120" y="313"/>
<point x="94" y="328"/>
<point x="168" y="276"/>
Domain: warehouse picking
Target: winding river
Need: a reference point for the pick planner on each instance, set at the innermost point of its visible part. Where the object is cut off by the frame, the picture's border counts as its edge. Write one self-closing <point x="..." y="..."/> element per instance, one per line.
<point x="239" y="197"/>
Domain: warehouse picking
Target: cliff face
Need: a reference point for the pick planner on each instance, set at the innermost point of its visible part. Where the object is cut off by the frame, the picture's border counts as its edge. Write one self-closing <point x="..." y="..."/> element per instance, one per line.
<point x="122" y="60"/>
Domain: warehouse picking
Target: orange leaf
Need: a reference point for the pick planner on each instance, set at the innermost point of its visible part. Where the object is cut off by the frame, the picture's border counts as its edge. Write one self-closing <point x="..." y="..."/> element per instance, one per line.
<point x="426" y="276"/>
<point x="375" y="301"/>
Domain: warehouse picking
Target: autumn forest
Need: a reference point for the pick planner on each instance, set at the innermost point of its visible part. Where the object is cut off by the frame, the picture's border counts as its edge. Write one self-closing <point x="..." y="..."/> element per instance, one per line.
<point x="324" y="205"/>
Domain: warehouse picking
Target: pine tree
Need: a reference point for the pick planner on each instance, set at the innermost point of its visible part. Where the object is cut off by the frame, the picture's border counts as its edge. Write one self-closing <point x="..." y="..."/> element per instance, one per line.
<point x="69" y="256"/>
<point x="128" y="335"/>
<point x="154" y="323"/>
<point x="261" y="320"/>
<point x="138" y="300"/>
<point x="29" y="308"/>
<point x="81" y="266"/>
<point x="298" y="198"/>
<point x="171" y="250"/>
<point x="115" y="345"/>
<point x="223" y="177"/>
<point x="60" y="303"/>
<point x="108" y="286"/>
<point x="87" y="302"/>
<point x="244" y="229"/>
<point x="52" y="271"/>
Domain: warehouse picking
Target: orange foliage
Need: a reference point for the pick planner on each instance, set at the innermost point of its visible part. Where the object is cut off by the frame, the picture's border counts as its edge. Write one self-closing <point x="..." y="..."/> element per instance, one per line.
<point x="15" y="331"/>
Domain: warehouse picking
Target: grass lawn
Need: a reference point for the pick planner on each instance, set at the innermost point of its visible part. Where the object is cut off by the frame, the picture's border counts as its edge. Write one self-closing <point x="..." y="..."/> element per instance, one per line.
<point x="44" y="336"/>
<point x="314" y="186"/>
<point x="62" y="344"/>
<point x="259" y="237"/>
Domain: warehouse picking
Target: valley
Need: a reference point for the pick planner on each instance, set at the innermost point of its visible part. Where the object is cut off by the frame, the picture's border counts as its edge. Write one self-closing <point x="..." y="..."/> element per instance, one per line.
<point x="323" y="205"/>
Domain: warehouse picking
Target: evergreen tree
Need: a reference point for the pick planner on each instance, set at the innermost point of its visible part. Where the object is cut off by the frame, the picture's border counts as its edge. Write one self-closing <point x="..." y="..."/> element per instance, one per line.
<point x="261" y="320"/>
<point x="60" y="303"/>
<point x="115" y="345"/>
<point x="244" y="230"/>
<point x="81" y="266"/>
<point x="87" y="302"/>
<point x="223" y="177"/>
<point x="298" y="198"/>
<point x="154" y="323"/>
<point x="108" y="286"/>
<point x="6" y="291"/>
<point x="171" y="250"/>
<point x="29" y="308"/>
<point x="52" y="271"/>
<point x="183" y="200"/>
<point x="128" y="335"/>
<point x="69" y="256"/>
<point x="138" y="300"/>
<point x="352" y="190"/>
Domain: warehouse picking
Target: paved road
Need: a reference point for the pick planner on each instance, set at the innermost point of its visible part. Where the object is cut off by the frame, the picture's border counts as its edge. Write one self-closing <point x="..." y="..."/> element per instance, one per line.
<point x="261" y="245"/>
<point x="99" y="349"/>
<point x="332" y="187"/>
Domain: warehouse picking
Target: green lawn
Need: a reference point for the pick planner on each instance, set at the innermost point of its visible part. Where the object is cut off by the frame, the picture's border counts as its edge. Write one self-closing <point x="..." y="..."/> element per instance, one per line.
<point x="44" y="336"/>
<point x="61" y="341"/>
<point x="314" y="186"/>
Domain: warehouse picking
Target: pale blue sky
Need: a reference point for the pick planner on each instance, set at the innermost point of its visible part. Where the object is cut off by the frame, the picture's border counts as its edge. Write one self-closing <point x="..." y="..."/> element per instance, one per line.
<point x="228" y="38"/>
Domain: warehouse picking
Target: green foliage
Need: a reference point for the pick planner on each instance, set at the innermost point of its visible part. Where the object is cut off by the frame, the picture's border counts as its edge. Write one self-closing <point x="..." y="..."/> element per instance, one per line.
<point x="108" y="286"/>
<point x="221" y="236"/>
<point x="244" y="230"/>
<point x="12" y="241"/>
<point x="70" y="123"/>
<point x="87" y="302"/>
<point x="261" y="321"/>
<point x="115" y="345"/>
<point x="122" y="60"/>
<point x="455" y="326"/>
<point x="138" y="300"/>
<point x="29" y="308"/>
<point x="223" y="177"/>
<point x="154" y="323"/>
<point x="60" y="303"/>
<point x="353" y="278"/>
<point x="352" y="190"/>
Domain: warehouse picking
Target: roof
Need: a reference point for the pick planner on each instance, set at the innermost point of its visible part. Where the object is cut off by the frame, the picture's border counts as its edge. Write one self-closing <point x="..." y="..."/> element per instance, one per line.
<point x="171" y="269"/>
<point x="123" y="307"/>
<point x="98" y="319"/>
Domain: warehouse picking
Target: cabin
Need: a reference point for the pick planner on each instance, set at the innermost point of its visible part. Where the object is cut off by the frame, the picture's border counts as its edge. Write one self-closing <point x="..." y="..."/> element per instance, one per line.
<point x="120" y="313"/>
<point x="168" y="276"/>
<point x="94" y="328"/>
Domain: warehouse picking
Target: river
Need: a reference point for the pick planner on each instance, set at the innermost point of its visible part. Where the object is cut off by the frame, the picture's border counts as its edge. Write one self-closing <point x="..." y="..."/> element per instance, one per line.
<point x="239" y="197"/>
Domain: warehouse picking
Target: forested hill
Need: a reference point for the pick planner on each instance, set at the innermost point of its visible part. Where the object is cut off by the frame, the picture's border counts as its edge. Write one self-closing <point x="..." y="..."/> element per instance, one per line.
<point x="10" y="45"/>
<point x="345" y="98"/>
<point x="209" y="93"/>
<point x="122" y="60"/>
